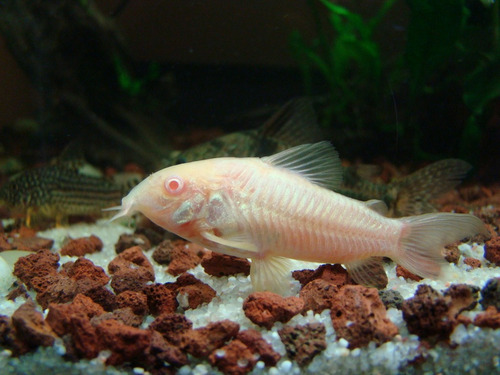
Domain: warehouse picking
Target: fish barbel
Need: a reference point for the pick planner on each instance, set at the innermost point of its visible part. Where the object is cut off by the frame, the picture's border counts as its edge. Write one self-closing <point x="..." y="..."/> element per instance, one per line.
<point x="279" y="207"/>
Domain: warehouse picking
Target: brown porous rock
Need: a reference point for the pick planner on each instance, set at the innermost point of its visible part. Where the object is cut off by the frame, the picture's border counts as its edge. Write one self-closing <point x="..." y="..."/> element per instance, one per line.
<point x="161" y="299"/>
<point x="131" y="270"/>
<point x="433" y="316"/>
<point x="41" y="263"/>
<point x="473" y="263"/>
<point x="172" y="326"/>
<point x="317" y="295"/>
<point x="359" y="316"/>
<point x="179" y="254"/>
<point x="137" y="301"/>
<point x="30" y="327"/>
<point x="33" y="243"/>
<point x="234" y="358"/>
<point x="303" y="343"/>
<point x="405" y="274"/>
<point x="161" y="351"/>
<point x="488" y="319"/>
<point x="492" y="250"/>
<point x="80" y="246"/>
<point x="202" y="341"/>
<point x="266" y="308"/>
<point x="87" y="274"/>
<point x="127" y="344"/>
<point x="451" y="253"/>
<point x="259" y="347"/>
<point x="61" y="289"/>
<point x="333" y="273"/>
<point x="219" y="265"/>
<point x="59" y="315"/>
<point x="191" y="292"/>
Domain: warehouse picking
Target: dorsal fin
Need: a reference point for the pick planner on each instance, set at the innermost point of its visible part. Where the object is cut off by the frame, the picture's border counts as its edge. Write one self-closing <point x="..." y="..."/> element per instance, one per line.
<point x="294" y="123"/>
<point x="318" y="162"/>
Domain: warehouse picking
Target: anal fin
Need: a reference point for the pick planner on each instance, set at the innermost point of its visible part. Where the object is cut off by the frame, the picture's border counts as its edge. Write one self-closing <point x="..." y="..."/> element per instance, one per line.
<point x="368" y="272"/>
<point x="271" y="274"/>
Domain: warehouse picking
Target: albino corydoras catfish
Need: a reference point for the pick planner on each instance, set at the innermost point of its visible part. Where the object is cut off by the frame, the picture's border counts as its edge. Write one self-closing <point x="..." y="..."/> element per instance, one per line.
<point x="274" y="208"/>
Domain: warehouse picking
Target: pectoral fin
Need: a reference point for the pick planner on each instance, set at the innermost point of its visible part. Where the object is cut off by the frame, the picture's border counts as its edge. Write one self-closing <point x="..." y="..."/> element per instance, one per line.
<point x="239" y="242"/>
<point x="271" y="274"/>
<point x="368" y="272"/>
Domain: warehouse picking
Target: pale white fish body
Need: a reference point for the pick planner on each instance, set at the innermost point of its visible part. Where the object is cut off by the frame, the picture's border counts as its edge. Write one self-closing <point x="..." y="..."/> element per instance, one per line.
<point x="281" y="207"/>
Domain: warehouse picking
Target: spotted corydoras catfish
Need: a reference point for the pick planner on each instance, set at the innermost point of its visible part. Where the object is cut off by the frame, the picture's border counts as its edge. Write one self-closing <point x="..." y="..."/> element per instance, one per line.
<point x="283" y="206"/>
<point x="293" y="124"/>
<point x="409" y="195"/>
<point x="65" y="187"/>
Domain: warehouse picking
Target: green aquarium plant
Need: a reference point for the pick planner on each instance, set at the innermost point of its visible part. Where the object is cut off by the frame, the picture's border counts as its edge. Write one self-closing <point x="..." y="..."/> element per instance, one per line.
<point x="442" y="83"/>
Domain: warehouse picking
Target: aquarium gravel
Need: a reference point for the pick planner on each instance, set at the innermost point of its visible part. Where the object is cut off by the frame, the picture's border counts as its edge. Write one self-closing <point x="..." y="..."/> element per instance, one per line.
<point x="471" y="349"/>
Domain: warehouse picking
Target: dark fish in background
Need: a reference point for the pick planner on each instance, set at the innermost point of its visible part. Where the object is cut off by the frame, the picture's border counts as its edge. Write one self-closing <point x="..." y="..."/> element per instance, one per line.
<point x="409" y="195"/>
<point x="63" y="188"/>
<point x="294" y="124"/>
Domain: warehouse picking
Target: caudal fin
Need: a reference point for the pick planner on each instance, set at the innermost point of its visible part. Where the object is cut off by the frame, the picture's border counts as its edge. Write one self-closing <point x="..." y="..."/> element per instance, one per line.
<point x="425" y="235"/>
<point x="415" y="191"/>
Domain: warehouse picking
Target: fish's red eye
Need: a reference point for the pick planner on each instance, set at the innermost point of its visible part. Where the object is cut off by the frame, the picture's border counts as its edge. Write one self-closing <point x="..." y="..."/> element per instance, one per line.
<point x="174" y="185"/>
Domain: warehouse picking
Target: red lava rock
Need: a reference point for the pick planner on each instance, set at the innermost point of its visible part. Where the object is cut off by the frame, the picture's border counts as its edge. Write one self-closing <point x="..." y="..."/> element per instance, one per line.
<point x="427" y="314"/>
<point x="317" y="295"/>
<point x="303" y="343"/>
<point x="191" y="292"/>
<point x="41" y="263"/>
<point x="32" y="243"/>
<point x="179" y="254"/>
<point x="462" y="297"/>
<point x="172" y="326"/>
<point x="131" y="270"/>
<point x="405" y="274"/>
<point x="126" y="241"/>
<point x="84" y="269"/>
<point x="125" y="315"/>
<point x="218" y="265"/>
<point x="84" y="340"/>
<point x="233" y="359"/>
<point x="492" y="250"/>
<point x="488" y="319"/>
<point x="102" y="296"/>
<point x="8" y="337"/>
<point x="256" y="343"/>
<point x="30" y="327"/>
<point x="59" y="315"/>
<point x="19" y="291"/>
<point x="61" y="290"/>
<point x="359" y="316"/>
<point x="125" y="343"/>
<point x="161" y="299"/>
<point x="472" y="262"/>
<point x="452" y="253"/>
<point x="80" y="246"/>
<point x="137" y="301"/>
<point x="266" y="308"/>
<point x="333" y="273"/>
<point x="161" y="351"/>
<point x="201" y="342"/>
<point x="132" y="259"/>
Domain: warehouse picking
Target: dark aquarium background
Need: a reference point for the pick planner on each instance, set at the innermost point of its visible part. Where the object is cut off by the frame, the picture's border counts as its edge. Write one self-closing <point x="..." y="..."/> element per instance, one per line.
<point x="409" y="81"/>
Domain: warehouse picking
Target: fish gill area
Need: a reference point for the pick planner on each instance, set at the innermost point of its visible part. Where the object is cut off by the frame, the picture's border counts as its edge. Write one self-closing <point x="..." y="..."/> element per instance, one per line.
<point x="97" y="95"/>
